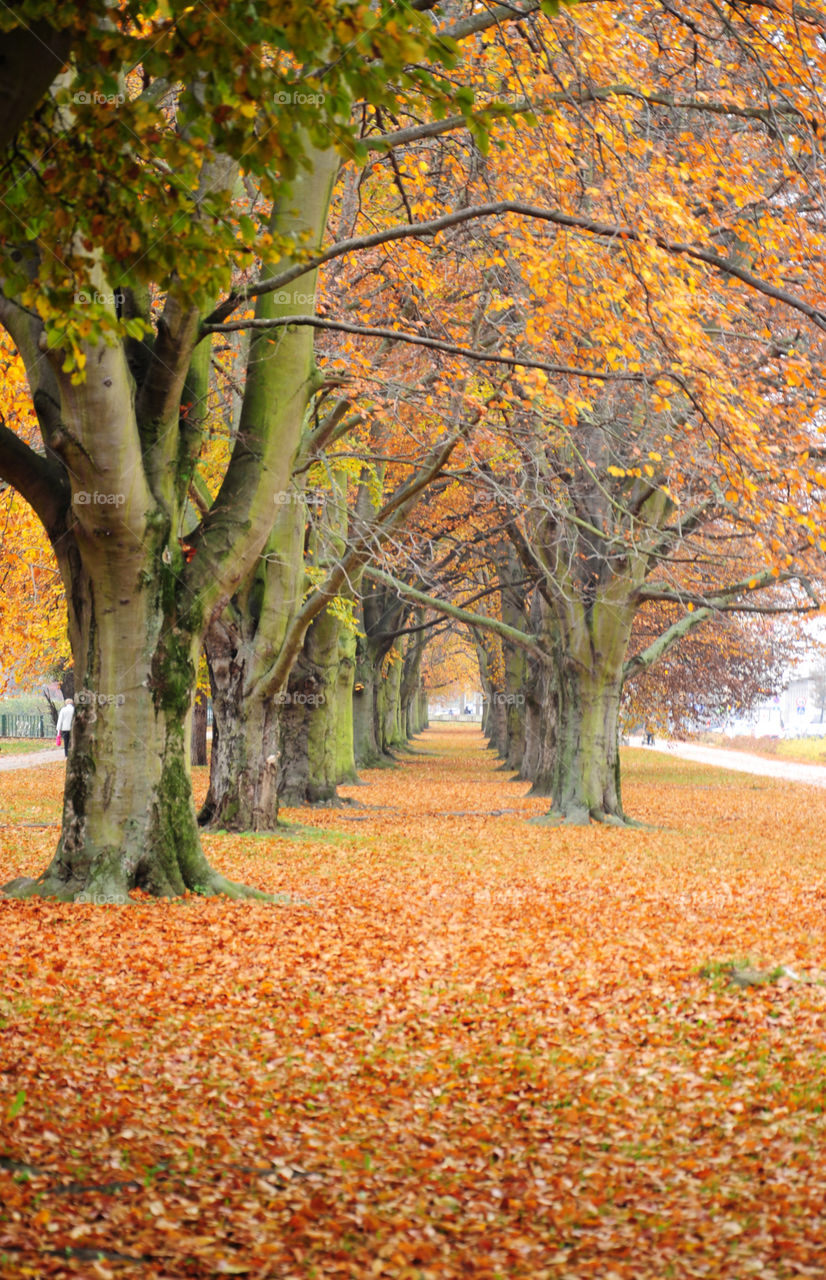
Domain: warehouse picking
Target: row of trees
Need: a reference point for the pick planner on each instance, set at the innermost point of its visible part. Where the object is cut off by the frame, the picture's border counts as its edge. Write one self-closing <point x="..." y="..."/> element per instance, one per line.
<point x="316" y="343"/>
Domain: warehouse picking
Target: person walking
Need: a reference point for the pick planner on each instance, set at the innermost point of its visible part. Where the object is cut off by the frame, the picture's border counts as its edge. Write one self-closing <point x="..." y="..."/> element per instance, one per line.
<point x="65" y="716"/>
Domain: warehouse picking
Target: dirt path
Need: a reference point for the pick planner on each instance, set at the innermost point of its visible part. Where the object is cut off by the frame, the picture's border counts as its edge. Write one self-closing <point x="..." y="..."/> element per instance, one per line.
<point x="741" y="761"/>
<point x="814" y="775"/>
<point x="29" y="759"/>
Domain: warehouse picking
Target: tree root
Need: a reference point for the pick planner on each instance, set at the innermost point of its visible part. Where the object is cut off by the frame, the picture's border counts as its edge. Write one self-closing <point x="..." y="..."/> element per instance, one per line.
<point x="52" y="888"/>
<point x="582" y="817"/>
<point x="217" y="886"/>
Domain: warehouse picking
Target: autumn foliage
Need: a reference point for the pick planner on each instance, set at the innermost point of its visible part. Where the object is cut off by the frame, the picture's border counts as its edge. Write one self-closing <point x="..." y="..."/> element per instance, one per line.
<point x="467" y="1046"/>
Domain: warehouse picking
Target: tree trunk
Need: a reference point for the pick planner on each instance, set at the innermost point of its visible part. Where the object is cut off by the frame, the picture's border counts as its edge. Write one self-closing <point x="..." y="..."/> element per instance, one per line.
<point x="586" y="782"/>
<point x="494" y="713"/>
<point x="345" y="679"/>
<point x="390" y="709"/>
<point x="309" y="763"/>
<point x="365" y="742"/>
<point x="513" y="603"/>
<point x="538" y="761"/>
<point x="514" y="700"/>
<point x="244" y="646"/>
<point x="128" y="814"/>
<point x="589" y="645"/>
<point x="410" y="682"/>
<point x="199" y="729"/>
<point x="415" y="721"/>
<point x="246" y="732"/>
<point x="498" y="723"/>
<point x="540" y="713"/>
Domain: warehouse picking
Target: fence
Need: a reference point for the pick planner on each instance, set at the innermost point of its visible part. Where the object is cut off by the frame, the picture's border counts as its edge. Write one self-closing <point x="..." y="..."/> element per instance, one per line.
<point x="19" y="724"/>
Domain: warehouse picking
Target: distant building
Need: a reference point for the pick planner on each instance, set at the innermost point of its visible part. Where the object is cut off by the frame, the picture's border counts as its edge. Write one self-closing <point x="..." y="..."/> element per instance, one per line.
<point x="795" y="712"/>
<point x="465" y="706"/>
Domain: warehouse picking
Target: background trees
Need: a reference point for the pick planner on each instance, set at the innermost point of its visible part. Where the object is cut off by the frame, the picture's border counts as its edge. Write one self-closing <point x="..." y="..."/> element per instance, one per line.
<point x="609" y="322"/>
<point x="722" y="668"/>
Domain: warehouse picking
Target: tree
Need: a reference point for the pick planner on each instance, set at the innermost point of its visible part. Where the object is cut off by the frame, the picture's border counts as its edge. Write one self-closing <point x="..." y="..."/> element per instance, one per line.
<point x="582" y="271"/>
<point x="723" y="667"/>
<point x="104" y="296"/>
<point x="680" y="416"/>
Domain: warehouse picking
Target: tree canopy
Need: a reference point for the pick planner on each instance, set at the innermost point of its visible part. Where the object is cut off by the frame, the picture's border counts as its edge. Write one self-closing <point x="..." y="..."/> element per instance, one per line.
<point x="332" y="317"/>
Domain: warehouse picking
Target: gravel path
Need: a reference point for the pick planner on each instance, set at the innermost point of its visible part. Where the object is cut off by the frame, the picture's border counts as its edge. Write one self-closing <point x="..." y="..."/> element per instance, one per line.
<point x="29" y="759"/>
<point x="741" y="761"/>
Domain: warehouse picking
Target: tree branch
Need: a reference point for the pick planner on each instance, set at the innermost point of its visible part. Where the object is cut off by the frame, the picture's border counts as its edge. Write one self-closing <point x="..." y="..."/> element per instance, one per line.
<point x="435" y="344"/>
<point x="39" y="481"/>
<point x="519" y="638"/>
<point x="574" y="222"/>
<point x="536" y="106"/>
<point x="723" y="601"/>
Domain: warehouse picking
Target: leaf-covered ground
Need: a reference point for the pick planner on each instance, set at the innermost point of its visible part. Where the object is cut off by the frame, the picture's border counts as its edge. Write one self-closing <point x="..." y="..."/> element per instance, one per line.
<point x="483" y="1048"/>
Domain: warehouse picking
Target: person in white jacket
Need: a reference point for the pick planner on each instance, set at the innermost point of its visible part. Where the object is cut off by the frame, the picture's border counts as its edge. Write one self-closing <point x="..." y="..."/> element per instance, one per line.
<point x="65" y="716"/>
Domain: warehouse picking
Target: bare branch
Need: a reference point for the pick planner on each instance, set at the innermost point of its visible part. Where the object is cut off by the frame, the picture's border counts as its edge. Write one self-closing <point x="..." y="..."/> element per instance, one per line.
<point x="435" y="344"/>
<point x="519" y="638"/>
<point x="608" y="231"/>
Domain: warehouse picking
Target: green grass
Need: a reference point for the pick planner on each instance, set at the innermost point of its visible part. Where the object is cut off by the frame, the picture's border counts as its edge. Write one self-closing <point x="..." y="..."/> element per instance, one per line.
<point x="800" y="750"/>
<point x="658" y="770"/>
<point x="810" y="750"/>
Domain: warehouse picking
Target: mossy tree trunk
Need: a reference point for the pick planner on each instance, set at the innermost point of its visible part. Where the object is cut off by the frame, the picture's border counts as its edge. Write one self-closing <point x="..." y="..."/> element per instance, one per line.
<point x="365" y="739"/>
<point x="592" y="592"/>
<point x="245" y="645"/>
<point x="411" y="680"/>
<point x="586" y="687"/>
<point x="346" y="770"/>
<point x="512" y="595"/>
<point x="246" y="728"/>
<point x="392" y="736"/>
<point x="540" y="730"/>
<point x="128" y="814"/>
<point x="314" y="717"/>
<point x="309" y="716"/>
<point x="376" y="706"/>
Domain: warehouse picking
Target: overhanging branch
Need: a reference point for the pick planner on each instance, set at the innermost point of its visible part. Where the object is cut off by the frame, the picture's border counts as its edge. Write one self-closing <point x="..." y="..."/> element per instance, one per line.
<point x="435" y="344"/>
<point x="609" y="231"/>
<point x="519" y="638"/>
<point x="725" y="601"/>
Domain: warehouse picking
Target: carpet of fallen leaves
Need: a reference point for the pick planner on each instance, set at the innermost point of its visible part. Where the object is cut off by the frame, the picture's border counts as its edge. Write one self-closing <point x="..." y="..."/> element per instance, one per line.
<point x="478" y="1048"/>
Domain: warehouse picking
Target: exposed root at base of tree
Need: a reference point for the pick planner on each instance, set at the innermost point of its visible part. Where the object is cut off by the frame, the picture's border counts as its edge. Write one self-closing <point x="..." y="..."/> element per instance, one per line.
<point x="114" y="894"/>
<point x="584" y="818"/>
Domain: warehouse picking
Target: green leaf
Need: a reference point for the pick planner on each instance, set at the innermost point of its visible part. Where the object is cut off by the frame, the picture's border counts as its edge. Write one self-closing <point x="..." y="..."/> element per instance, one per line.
<point x="17" y="1106"/>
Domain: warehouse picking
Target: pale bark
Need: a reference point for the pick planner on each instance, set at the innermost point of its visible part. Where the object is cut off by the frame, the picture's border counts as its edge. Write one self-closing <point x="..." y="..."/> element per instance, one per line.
<point x="137" y="607"/>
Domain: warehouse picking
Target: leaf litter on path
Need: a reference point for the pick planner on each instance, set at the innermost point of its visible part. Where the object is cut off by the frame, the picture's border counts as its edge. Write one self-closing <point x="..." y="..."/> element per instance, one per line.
<point x="486" y="1049"/>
